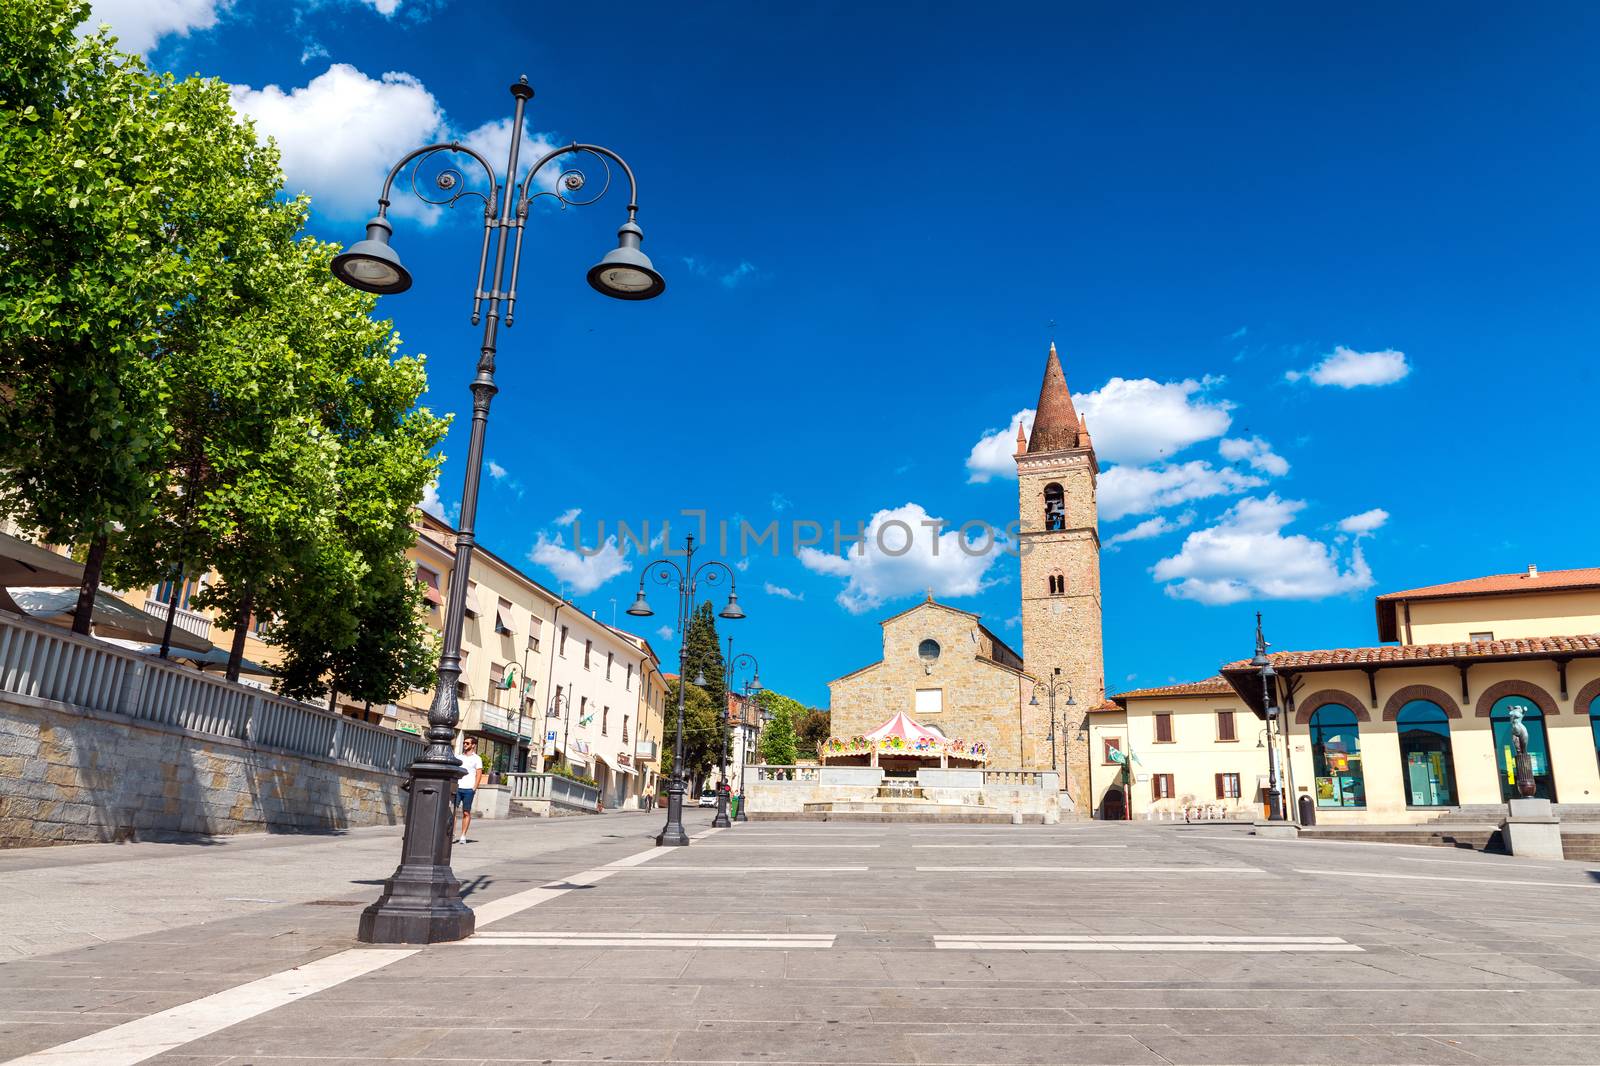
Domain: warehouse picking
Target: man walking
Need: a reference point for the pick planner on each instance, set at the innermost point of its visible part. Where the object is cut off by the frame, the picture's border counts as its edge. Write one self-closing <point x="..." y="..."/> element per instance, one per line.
<point x="467" y="786"/>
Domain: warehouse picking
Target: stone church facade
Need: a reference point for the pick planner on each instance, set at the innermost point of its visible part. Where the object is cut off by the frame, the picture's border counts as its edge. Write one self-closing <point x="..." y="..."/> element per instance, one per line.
<point x="944" y="668"/>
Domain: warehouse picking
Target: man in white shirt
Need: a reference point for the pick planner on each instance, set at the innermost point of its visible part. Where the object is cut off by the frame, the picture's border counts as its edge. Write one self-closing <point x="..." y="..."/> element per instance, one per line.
<point x="467" y="786"/>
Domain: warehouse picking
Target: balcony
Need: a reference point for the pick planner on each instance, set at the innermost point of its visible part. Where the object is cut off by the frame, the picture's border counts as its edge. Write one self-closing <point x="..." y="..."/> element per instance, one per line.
<point x="481" y="714"/>
<point x="648" y="751"/>
<point x="186" y="620"/>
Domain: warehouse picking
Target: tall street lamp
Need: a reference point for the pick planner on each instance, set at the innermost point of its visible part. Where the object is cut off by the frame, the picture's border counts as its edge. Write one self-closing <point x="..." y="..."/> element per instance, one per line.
<point x="752" y="691"/>
<point x="688" y="577"/>
<point x="1275" y="810"/>
<point x="730" y="666"/>
<point x="1055" y="686"/>
<point x="421" y="902"/>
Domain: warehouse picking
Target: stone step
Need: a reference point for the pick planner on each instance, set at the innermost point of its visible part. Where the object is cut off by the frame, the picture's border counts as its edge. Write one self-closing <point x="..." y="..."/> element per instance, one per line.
<point x="968" y="816"/>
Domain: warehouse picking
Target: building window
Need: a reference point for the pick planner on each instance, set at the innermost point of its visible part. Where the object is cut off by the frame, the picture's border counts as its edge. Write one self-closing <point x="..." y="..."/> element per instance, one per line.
<point x="929" y="701"/>
<point x="555" y="704"/>
<point x="1161" y="786"/>
<point x="497" y="682"/>
<point x="1227" y="786"/>
<point x="533" y="636"/>
<point x="1225" y="728"/>
<point x="1427" y="768"/>
<point x="1538" y="747"/>
<point x="1058" y="584"/>
<point x="624" y="729"/>
<point x="502" y="617"/>
<point x="605" y="720"/>
<point x="1594" y="723"/>
<point x="628" y="684"/>
<point x="472" y="599"/>
<point x="588" y="646"/>
<point x="1055" y="507"/>
<point x="928" y="650"/>
<point x="583" y="708"/>
<point x="1480" y="638"/>
<point x="561" y="646"/>
<point x="609" y="657"/>
<point x="1336" y="757"/>
<point x="430" y="586"/>
<point x="1110" y="745"/>
<point x="1163" y="728"/>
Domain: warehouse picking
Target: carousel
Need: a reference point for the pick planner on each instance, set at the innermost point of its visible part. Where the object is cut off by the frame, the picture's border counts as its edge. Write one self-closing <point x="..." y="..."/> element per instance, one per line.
<point x="901" y="746"/>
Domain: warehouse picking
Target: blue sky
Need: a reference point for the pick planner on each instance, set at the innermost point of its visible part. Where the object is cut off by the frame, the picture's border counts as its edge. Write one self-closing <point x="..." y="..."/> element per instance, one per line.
<point x="1324" y="278"/>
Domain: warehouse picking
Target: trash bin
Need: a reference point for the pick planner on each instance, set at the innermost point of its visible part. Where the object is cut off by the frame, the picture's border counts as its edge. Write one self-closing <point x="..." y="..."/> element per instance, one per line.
<point x="1308" y="811"/>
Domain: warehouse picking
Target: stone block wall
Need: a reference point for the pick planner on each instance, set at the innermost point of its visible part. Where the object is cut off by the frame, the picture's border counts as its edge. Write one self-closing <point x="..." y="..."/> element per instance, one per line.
<point x="70" y="776"/>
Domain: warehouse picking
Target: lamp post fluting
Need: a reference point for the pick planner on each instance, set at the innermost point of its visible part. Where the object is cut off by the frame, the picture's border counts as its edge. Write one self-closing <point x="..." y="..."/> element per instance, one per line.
<point x="730" y="666"/>
<point x="752" y="691"/>
<point x="421" y="901"/>
<point x="688" y="577"/>
<point x="1057" y="685"/>
<point x="1275" y="811"/>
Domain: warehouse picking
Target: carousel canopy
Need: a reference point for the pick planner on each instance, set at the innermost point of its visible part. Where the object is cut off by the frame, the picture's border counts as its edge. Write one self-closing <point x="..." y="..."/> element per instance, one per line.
<point x="905" y="737"/>
<point x="905" y="728"/>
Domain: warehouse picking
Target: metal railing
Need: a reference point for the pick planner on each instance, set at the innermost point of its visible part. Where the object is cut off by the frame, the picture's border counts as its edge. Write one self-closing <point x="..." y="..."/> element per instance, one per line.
<point x="484" y="713"/>
<point x="649" y="750"/>
<point x="558" y="790"/>
<point x="187" y="620"/>
<point x="49" y="663"/>
<point x="787" y="773"/>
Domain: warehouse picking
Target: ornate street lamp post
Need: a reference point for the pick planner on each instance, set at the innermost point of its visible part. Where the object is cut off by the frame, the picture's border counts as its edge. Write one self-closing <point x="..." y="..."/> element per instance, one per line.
<point x="1055" y="686"/>
<point x="1275" y="810"/>
<point x="688" y="577"/>
<point x="752" y="690"/>
<point x="421" y="902"/>
<point x="730" y="666"/>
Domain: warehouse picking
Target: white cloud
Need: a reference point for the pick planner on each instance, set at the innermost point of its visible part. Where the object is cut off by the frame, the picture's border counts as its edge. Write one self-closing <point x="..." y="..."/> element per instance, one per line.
<point x="583" y="572"/>
<point x="665" y="632"/>
<point x="901" y="555"/>
<point x="569" y="516"/>
<point x="1247" y="556"/>
<point x="1348" y="369"/>
<point x="313" y="50"/>
<point x="738" y="274"/>
<point x="340" y="133"/>
<point x="780" y="502"/>
<point x="1255" y="451"/>
<point x="431" y="502"/>
<point x="742" y="565"/>
<point x="1139" y="420"/>
<point x="492" y="140"/>
<point x="384" y="7"/>
<point x="497" y="471"/>
<point x="140" y="24"/>
<point x="1365" y="523"/>
<point x="1152" y="527"/>
<point x="992" y="455"/>
<point x="1129" y="490"/>
<point x="778" y="590"/>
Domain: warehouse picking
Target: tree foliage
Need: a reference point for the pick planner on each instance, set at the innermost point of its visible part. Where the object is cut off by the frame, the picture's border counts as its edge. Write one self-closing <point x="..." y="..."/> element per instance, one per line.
<point x="701" y="731"/>
<point x="778" y="742"/>
<point x="810" y="731"/>
<point x="702" y="654"/>
<point x="183" y="385"/>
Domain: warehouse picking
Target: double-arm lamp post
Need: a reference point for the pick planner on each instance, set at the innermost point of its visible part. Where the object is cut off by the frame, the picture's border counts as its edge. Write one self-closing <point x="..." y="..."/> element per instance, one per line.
<point x="688" y="577"/>
<point x="1269" y="703"/>
<point x="752" y="691"/>
<point x="421" y="902"/>
<point x="731" y="666"/>
<point x="1057" y="685"/>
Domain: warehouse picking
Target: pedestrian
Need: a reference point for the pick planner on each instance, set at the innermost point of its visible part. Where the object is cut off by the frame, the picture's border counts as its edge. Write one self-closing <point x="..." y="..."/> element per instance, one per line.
<point x="467" y="785"/>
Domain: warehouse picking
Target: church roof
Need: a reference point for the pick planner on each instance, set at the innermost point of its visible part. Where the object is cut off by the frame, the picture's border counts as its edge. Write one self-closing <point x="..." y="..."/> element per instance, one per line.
<point x="1055" y="422"/>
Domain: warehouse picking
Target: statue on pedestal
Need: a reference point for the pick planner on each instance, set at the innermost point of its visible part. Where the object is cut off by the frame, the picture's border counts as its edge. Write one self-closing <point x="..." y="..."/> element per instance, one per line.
<point x="1526" y="786"/>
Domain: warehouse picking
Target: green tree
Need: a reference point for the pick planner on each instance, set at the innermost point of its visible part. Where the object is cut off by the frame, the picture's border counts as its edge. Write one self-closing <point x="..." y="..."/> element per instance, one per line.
<point x="703" y="652"/>
<point x="701" y="730"/>
<point x="810" y="731"/>
<point x="778" y="743"/>
<point x="128" y="200"/>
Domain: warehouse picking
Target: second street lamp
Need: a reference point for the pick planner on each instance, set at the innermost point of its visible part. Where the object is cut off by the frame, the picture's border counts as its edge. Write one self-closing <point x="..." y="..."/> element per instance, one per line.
<point x="1269" y="707"/>
<point x="752" y="690"/>
<point x="421" y="901"/>
<point x="1055" y="686"/>
<point x="688" y="577"/>
<point x="730" y="666"/>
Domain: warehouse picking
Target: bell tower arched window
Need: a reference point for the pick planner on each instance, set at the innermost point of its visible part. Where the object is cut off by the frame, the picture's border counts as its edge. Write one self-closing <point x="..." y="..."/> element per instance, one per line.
<point x="1058" y="583"/>
<point x="1055" y="507"/>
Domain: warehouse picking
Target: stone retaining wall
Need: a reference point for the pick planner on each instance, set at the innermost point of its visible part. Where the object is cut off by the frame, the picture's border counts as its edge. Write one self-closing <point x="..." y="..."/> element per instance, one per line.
<point x="70" y="775"/>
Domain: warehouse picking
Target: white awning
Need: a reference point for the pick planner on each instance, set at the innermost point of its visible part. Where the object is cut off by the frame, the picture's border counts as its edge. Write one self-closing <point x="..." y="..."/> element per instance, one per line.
<point x="619" y="769"/>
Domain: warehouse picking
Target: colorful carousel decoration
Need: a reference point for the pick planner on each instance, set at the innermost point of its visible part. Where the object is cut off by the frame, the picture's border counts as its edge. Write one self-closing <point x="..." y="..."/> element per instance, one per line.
<point x="901" y="744"/>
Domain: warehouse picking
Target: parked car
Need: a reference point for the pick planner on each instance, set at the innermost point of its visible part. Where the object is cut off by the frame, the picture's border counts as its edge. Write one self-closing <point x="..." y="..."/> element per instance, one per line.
<point x="708" y="798"/>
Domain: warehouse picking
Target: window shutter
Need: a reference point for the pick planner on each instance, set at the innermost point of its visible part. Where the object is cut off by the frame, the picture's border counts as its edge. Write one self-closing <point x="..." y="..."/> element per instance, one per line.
<point x="1225" y="726"/>
<point x="1220" y="793"/>
<point x="1164" y="728"/>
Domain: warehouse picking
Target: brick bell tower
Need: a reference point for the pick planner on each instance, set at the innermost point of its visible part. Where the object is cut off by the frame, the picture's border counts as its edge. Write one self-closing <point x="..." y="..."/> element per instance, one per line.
<point x="1060" y="550"/>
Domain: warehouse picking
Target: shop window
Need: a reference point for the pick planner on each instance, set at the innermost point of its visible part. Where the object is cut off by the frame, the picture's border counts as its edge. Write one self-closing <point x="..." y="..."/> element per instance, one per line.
<point x="1055" y="508"/>
<point x="1228" y="786"/>
<point x="1538" y="747"/>
<point x="1161" y="786"/>
<point x="1427" y="764"/>
<point x="1225" y="726"/>
<point x="1164" y="728"/>
<point x="1336" y="757"/>
<point x="1109" y="745"/>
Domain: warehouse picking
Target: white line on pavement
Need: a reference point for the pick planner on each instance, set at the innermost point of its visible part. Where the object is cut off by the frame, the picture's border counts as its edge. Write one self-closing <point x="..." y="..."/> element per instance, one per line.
<point x="1488" y="863"/>
<point x="711" y="871"/>
<point x="732" y="845"/>
<point x="1440" y="877"/>
<point x="665" y="940"/>
<point x="646" y="935"/>
<point x="1093" y="869"/>
<point x="136" y="1041"/>
<point x="1158" y="938"/>
<point x="1053" y="945"/>
<point x="1009" y="846"/>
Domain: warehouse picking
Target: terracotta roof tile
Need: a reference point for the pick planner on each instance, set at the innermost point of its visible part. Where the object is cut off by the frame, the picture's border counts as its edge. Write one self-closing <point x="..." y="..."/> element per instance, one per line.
<point x="1542" y="581"/>
<point x="1055" y="423"/>
<point x="1588" y="644"/>
<point x="1211" y="686"/>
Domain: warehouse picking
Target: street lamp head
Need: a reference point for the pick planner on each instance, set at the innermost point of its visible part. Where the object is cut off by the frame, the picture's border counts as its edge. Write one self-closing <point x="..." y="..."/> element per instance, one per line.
<point x="1070" y="701"/>
<point x="755" y="685"/>
<point x="626" y="273"/>
<point x="733" y="610"/>
<point x="1267" y="672"/>
<point x="371" y="265"/>
<point x="699" y="679"/>
<point x="641" y="606"/>
<point x="1033" y="701"/>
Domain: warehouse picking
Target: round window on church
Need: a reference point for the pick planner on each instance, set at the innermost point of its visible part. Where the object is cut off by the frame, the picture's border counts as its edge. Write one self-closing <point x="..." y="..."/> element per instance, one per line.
<point x="928" y="650"/>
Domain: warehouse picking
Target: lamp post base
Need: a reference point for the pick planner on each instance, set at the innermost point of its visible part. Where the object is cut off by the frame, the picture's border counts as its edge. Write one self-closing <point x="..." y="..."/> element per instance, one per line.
<point x="741" y="816"/>
<point x="721" y="820"/>
<point x="421" y="902"/>
<point x="672" y="834"/>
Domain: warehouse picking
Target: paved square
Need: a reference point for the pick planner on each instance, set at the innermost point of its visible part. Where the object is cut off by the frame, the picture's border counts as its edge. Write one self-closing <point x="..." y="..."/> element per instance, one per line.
<point x="811" y="943"/>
